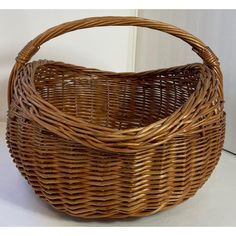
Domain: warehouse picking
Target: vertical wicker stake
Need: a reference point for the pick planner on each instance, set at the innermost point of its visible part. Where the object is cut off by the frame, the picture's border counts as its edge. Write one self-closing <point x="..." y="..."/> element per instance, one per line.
<point x="98" y="144"/>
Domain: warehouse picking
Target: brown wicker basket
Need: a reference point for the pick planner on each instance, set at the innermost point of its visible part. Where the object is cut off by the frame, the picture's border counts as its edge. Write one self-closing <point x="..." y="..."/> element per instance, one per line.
<point x="100" y="144"/>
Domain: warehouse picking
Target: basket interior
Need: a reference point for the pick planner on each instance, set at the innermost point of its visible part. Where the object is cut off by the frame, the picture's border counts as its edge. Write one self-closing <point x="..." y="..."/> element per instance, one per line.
<point x="116" y="100"/>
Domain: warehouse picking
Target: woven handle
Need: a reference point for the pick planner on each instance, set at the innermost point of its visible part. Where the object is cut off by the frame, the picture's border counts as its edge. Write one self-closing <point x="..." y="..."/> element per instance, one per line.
<point x="33" y="46"/>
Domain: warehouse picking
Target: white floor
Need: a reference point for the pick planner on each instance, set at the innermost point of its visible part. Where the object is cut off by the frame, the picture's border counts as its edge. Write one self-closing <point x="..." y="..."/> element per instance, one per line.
<point x="213" y="205"/>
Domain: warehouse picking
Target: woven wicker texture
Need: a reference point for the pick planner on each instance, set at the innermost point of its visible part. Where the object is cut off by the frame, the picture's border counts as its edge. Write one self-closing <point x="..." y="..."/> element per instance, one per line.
<point x="98" y="144"/>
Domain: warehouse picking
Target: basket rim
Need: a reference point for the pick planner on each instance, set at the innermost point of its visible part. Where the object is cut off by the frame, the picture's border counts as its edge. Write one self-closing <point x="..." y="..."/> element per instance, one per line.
<point x="170" y="124"/>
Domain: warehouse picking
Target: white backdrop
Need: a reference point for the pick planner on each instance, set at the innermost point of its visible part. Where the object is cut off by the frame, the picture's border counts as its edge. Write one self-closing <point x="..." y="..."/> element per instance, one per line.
<point x="216" y="28"/>
<point x="109" y="48"/>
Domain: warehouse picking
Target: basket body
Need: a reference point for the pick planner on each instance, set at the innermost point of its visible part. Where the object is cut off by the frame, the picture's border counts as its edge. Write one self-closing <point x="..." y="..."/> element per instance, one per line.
<point x="144" y="142"/>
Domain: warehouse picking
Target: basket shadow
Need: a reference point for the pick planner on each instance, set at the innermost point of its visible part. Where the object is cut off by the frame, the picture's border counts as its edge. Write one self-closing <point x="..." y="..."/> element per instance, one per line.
<point x="101" y="221"/>
<point x="15" y="193"/>
<point x="22" y="199"/>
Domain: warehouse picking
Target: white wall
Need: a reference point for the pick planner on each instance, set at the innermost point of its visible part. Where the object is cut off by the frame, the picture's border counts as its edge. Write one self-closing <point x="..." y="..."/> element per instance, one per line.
<point x="216" y="28"/>
<point x="109" y="48"/>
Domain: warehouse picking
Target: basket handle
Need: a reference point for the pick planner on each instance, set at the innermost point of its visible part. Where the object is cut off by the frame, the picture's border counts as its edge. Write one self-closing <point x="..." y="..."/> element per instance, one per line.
<point x="209" y="58"/>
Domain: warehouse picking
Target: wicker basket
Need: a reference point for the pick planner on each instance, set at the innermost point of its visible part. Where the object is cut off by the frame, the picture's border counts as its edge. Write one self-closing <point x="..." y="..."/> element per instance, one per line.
<point x="98" y="144"/>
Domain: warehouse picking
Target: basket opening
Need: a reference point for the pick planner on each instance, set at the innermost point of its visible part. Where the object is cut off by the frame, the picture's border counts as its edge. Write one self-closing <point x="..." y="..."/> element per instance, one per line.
<point x="116" y="100"/>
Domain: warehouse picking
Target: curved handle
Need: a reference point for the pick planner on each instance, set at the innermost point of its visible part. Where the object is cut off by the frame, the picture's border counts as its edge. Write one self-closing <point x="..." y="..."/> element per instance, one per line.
<point x="33" y="46"/>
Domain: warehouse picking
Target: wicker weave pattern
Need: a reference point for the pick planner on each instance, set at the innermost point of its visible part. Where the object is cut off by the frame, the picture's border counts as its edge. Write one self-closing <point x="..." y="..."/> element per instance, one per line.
<point x="101" y="144"/>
